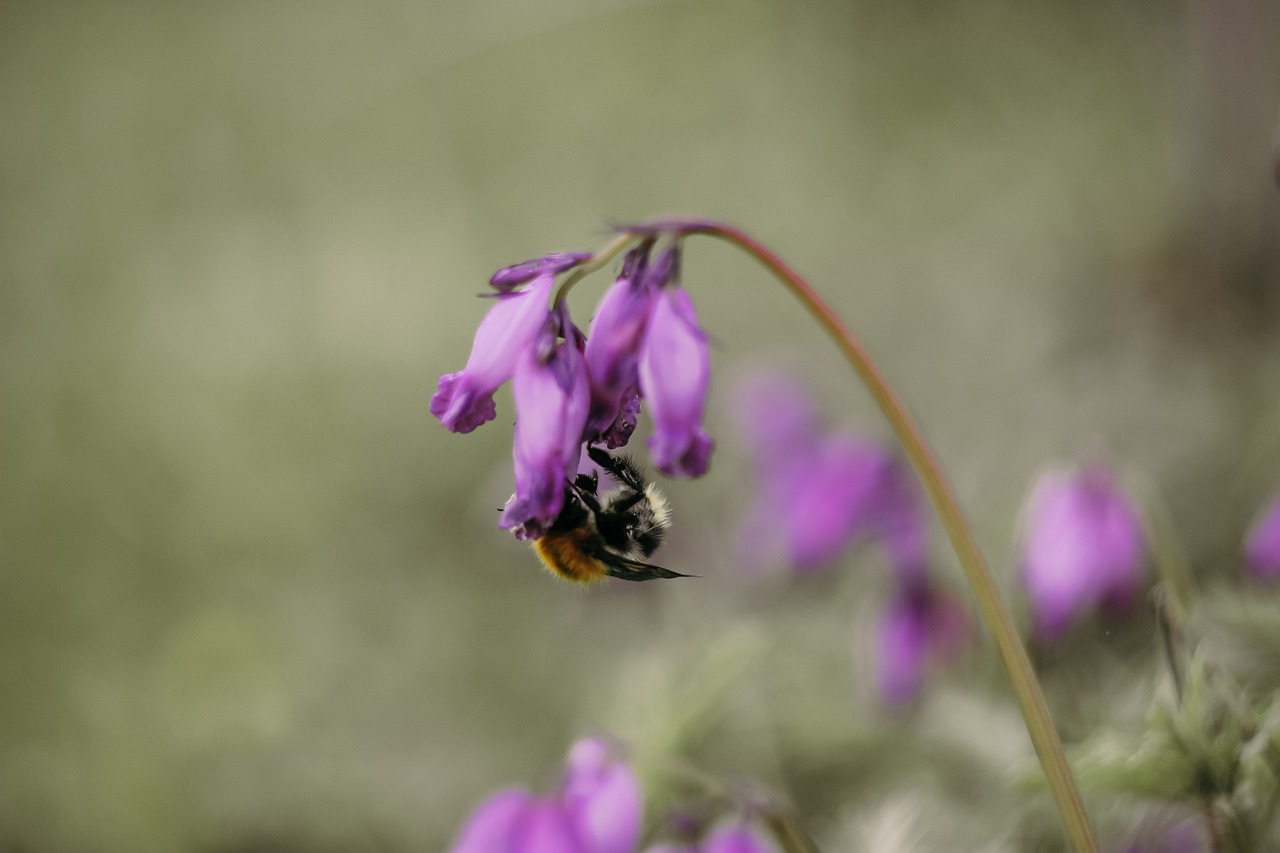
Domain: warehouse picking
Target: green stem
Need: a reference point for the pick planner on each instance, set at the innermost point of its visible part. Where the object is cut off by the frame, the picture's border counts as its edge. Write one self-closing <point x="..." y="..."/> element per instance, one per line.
<point x="598" y="260"/>
<point x="1026" y="688"/>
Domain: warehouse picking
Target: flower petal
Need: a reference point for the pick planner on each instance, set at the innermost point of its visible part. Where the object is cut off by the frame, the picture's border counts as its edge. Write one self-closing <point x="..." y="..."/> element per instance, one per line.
<point x="546" y="829"/>
<point x="464" y="400"/>
<point x="494" y="823"/>
<point x="613" y="351"/>
<point x="675" y="370"/>
<point x="551" y="412"/>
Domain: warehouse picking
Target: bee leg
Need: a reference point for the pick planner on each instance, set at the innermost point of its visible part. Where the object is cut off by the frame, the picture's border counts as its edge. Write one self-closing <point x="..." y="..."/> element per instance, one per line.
<point x="620" y="468"/>
<point x="587" y="483"/>
<point x="588" y="497"/>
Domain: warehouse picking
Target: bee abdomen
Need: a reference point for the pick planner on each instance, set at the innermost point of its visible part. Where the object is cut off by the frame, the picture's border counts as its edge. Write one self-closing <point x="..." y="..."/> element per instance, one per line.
<point x="564" y="556"/>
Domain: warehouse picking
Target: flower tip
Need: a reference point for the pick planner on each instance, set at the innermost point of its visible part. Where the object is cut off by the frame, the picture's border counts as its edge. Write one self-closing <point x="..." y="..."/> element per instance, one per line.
<point x="684" y="453"/>
<point x="524" y="520"/>
<point x="458" y="407"/>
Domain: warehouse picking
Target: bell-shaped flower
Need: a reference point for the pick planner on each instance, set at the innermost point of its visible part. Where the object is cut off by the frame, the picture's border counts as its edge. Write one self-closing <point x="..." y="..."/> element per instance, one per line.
<point x="613" y="352"/>
<point x="464" y="400"/>
<point x="675" y="370"/>
<point x="1262" y="545"/>
<point x="920" y="629"/>
<point x="602" y="798"/>
<point x="551" y="396"/>
<point x="1084" y="547"/>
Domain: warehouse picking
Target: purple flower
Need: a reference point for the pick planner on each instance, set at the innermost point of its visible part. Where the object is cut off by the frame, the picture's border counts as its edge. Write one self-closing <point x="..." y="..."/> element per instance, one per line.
<point x="1084" y="547"/>
<point x="919" y="629"/>
<point x="613" y="352"/>
<point x="1262" y="546"/>
<point x="464" y="400"/>
<point x="1182" y="837"/>
<point x="675" y="370"/>
<point x="821" y="492"/>
<point x="602" y="798"/>
<point x="597" y="811"/>
<point x="552" y="399"/>
<point x="549" y="265"/>
<point x="496" y="824"/>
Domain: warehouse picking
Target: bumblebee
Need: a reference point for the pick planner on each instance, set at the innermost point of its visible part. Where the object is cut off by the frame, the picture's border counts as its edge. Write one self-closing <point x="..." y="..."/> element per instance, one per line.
<point x="611" y="534"/>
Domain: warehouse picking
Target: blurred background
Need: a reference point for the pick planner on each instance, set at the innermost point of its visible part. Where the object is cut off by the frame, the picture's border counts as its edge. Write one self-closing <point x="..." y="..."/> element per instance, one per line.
<point x="253" y="596"/>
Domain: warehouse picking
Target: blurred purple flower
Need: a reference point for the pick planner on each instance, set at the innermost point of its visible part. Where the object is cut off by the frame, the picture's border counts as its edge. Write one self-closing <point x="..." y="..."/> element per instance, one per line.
<point x="464" y="400"/>
<point x="1182" y="838"/>
<point x="1262" y="546"/>
<point x="737" y="839"/>
<point x="548" y="265"/>
<point x="821" y="492"/>
<point x="551" y="396"/>
<point x="598" y="810"/>
<point x="918" y="630"/>
<point x="613" y="351"/>
<point x="1084" y="547"/>
<point x="497" y="824"/>
<point x="602" y="798"/>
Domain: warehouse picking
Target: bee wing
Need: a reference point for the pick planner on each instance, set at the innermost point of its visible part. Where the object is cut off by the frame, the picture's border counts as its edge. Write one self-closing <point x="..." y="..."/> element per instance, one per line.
<point x="618" y="566"/>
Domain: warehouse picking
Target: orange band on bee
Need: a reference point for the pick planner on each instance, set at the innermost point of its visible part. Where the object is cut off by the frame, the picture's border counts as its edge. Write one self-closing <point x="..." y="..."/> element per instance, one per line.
<point x="563" y="555"/>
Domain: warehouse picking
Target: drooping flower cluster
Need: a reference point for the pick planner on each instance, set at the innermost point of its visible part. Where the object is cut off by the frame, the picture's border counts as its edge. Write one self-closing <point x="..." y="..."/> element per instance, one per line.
<point x="822" y="491"/>
<point x="597" y="809"/>
<point x="1084" y="547"/>
<point x="570" y="389"/>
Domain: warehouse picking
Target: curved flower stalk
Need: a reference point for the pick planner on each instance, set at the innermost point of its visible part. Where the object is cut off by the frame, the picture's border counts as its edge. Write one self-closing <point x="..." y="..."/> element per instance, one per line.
<point x="1013" y="654"/>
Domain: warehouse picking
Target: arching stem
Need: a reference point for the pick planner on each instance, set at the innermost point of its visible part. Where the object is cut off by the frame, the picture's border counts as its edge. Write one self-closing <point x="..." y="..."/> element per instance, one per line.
<point x="1026" y="688"/>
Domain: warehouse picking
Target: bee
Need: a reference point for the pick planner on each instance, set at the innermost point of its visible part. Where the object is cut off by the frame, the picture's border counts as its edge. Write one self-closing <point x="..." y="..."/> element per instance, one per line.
<point x="611" y="534"/>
